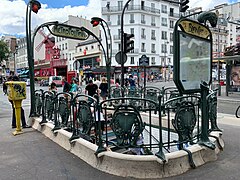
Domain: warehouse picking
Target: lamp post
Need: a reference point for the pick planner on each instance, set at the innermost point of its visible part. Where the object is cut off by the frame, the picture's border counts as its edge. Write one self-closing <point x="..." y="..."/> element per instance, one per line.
<point x="15" y="54"/>
<point x="34" y="6"/>
<point x="95" y="21"/>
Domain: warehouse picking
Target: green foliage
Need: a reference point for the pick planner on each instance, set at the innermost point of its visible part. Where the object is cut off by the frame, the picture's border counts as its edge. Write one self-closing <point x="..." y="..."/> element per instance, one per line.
<point x="3" y="51"/>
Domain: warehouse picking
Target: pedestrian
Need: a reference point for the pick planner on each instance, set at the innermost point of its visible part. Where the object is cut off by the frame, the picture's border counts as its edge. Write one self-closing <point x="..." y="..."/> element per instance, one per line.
<point x="104" y="89"/>
<point x="66" y="85"/>
<point x="91" y="89"/>
<point x="53" y="87"/>
<point x="23" y="120"/>
<point x="74" y="87"/>
<point x="132" y="83"/>
<point x="97" y="82"/>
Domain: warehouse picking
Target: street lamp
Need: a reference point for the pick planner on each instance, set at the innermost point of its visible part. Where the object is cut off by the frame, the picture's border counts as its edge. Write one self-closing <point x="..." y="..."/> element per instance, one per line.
<point x="15" y="53"/>
<point x="34" y="6"/>
<point x="95" y="22"/>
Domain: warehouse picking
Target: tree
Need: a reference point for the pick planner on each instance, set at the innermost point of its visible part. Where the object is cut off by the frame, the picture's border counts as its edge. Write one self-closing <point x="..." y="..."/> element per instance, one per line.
<point x="3" y="51"/>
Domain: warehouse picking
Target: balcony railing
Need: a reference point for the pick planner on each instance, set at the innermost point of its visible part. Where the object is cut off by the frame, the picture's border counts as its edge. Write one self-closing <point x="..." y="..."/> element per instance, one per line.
<point x="132" y="21"/>
<point x="143" y="36"/>
<point x="130" y="8"/>
<point x="116" y="37"/>
<point x="175" y="15"/>
<point x="153" y="24"/>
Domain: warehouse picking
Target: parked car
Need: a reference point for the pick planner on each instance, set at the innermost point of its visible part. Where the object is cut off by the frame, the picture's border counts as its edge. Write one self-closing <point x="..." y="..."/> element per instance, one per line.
<point x="44" y="83"/>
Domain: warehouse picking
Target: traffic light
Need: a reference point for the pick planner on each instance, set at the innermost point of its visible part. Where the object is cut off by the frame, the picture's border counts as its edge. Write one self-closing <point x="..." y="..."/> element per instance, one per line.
<point x="35" y="6"/>
<point x="95" y="22"/>
<point x="183" y="5"/>
<point x="128" y="44"/>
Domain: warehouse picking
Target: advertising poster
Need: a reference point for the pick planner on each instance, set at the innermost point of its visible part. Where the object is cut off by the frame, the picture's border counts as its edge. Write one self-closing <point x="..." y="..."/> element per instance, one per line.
<point x="235" y="79"/>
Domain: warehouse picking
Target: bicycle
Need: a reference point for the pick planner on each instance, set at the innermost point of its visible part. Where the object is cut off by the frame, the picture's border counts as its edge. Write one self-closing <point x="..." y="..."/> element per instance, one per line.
<point x="237" y="113"/>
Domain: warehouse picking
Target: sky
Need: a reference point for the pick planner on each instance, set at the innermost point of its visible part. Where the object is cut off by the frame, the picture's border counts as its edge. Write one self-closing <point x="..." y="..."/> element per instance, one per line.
<point x="13" y="12"/>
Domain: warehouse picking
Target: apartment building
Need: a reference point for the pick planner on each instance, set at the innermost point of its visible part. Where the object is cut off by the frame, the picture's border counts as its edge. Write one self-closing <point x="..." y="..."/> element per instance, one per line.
<point x="152" y="23"/>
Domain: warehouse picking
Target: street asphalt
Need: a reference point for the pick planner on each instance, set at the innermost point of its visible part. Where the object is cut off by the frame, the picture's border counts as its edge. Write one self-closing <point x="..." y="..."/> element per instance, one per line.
<point x="32" y="156"/>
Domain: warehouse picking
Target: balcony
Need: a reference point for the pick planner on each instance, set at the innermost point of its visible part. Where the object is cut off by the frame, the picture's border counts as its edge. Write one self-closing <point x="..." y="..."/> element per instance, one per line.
<point x="153" y="24"/>
<point x="153" y="51"/>
<point x="132" y="21"/>
<point x="116" y="37"/>
<point x="174" y="15"/>
<point x="111" y="9"/>
<point x="143" y="36"/>
<point x="143" y="21"/>
<point x="143" y="50"/>
<point x="153" y="38"/>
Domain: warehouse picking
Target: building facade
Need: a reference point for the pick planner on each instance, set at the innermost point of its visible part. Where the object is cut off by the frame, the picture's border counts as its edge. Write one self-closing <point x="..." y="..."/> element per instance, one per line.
<point x="152" y="23"/>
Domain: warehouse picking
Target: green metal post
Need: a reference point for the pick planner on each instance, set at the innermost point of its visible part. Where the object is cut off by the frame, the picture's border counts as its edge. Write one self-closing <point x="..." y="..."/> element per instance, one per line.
<point x="30" y="57"/>
<point x="204" y="140"/>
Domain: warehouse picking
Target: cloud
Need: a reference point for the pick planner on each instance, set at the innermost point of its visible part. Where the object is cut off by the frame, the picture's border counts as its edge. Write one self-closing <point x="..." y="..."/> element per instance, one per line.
<point x="206" y="4"/>
<point x="13" y="15"/>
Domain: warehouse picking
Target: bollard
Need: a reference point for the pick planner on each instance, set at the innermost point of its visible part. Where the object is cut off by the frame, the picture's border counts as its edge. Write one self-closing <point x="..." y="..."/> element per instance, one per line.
<point x="16" y="92"/>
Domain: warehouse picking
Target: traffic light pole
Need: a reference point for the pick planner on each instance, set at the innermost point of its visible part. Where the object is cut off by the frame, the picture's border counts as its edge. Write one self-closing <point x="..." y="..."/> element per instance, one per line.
<point x="30" y="52"/>
<point x="122" y="54"/>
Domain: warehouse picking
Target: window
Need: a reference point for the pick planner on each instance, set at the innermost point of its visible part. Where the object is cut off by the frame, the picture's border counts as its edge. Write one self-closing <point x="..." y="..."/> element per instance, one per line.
<point x="142" y="5"/>
<point x="65" y="45"/>
<point x="171" y="12"/>
<point x="119" y="20"/>
<point x="120" y="5"/>
<point x="92" y="47"/>
<point x="171" y="49"/>
<point x="164" y="48"/>
<point x="143" y="36"/>
<point x="132" y="60"/>
<point x="143" y="19"/>
<point x="164" y="35"/>
<point x="153" y="60"/>
<point x="164" y="8"/>
<point x="119" y="33"/>
<point x="153" y="21"/>
<point x="153" y="48"/>
<point x="152" y="7"/>
<point x="153" y="36"/>
<point x="132" y="30"/>
<point x="143" y="47"/>
<point x="164" y="21"/>
<point x="171" y="36"/>
<point x="108" y="18"/>
<point x="131" y="18"/>
<point x="171" y="24"/>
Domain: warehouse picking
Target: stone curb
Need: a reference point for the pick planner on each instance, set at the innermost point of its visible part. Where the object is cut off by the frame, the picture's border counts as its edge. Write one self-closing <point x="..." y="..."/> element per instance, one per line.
<point x="125" y="165"/>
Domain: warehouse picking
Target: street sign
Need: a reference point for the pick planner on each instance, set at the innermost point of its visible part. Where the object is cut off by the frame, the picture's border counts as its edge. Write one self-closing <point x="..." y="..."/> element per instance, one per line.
<point x="144" y="60"/>
<point x="118" y="58"/>
<point x="68" y="31"/>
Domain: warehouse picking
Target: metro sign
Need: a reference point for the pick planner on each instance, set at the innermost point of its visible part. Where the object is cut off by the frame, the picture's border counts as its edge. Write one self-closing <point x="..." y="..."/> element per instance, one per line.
<point x="68" y="31"/>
